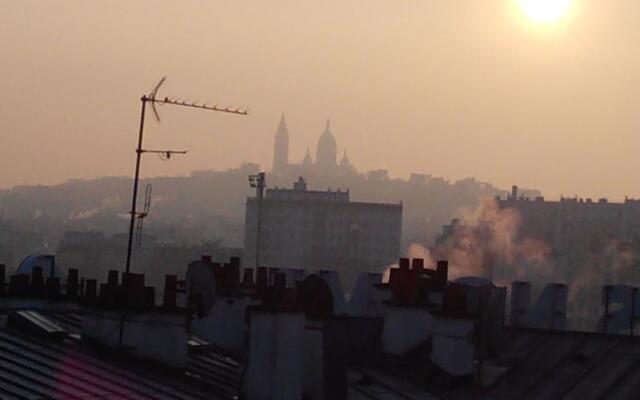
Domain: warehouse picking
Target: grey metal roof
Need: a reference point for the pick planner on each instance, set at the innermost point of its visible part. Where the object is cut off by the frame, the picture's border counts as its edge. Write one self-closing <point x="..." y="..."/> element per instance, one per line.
<point x="374" y="383"/>
<point x="49" y="367"/>
<point x="546" y="364"/>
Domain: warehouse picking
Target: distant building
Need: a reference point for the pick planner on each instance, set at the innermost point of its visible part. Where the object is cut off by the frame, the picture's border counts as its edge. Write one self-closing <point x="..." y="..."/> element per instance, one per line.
<point x="281" y="147"/>
<point x="569" y="226"/>
<point x="326" y="162"/>
<point x="321" y="229"/>
<point x="575" y="224"/>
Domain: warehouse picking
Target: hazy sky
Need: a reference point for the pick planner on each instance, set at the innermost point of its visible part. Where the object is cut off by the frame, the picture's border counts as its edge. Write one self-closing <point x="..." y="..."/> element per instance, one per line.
<point x="455" y="88"/>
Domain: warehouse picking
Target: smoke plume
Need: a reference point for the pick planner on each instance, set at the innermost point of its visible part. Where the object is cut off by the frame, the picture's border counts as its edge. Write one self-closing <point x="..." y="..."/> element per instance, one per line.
<point x="486" y="243"/>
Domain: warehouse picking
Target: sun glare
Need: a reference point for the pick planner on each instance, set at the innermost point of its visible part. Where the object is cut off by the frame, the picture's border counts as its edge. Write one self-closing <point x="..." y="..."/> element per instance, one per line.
<point x="544" y="11"/>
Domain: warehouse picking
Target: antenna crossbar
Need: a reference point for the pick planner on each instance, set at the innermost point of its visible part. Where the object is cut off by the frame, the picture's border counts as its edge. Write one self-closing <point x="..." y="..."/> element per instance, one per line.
<point x="178" y="102"/>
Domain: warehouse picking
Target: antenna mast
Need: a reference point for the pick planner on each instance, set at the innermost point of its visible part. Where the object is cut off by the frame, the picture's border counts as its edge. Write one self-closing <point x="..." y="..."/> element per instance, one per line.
<point x="152" y="99"/>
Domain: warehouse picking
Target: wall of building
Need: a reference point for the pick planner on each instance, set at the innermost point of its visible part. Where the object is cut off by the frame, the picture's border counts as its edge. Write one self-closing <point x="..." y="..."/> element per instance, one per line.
<point x="322" y="230"/>
<point x="576" y="224"/>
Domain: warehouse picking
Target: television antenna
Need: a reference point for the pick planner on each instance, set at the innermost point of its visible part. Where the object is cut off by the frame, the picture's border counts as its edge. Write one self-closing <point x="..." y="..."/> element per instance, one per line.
<point x="153" y="99"/>
<point x="143" y="214"/>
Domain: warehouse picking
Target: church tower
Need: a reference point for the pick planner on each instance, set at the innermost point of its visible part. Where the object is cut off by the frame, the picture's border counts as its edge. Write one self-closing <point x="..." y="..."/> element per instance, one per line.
<point x="345" y="165"/>
<point x="327" y="150"/>
<point x="281" y="147"/>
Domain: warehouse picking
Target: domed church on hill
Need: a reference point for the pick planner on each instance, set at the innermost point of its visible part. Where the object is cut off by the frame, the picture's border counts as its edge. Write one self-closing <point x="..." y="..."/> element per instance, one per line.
<point x="326" y="160"/>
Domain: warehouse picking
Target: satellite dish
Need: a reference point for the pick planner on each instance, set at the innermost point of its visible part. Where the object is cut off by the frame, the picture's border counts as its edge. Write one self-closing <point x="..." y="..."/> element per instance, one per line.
<point x="46" y="261"/>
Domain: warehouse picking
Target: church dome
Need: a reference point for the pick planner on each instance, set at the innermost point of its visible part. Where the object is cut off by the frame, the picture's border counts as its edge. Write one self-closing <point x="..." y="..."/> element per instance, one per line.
<point x="327" y="149"/>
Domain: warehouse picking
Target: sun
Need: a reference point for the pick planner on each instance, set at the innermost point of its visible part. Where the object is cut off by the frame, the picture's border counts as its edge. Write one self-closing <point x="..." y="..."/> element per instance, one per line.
<point x="544" y="11"/>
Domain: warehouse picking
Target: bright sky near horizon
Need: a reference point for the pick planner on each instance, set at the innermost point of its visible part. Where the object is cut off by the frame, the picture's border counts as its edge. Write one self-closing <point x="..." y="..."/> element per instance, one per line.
<point x="455" y="88"/>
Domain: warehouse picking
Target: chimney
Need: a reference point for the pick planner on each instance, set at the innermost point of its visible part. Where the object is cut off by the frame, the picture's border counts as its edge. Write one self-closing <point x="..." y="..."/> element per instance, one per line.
<point x="395" y="282"/>
<point x="404" y="328"/>
<point x="232" y="273"/>
<point x="52" y="288"/>
<point x="133" y="285"/>
<point x="279" y="286"/>
<point x="261" y="278"/>
<point x="37" y="282"/>
<point x="326" y="349"/>
<point x="112" y="278"/>
<point x="401" y="282"/>
<point x="170" y="296"/>
<point x="423" y="289"/>
<point x="520" y="303"/>
<point x="205" y="258"/>
<point x="91" y="290"/>
<point x="149" y="297"/>
<point x="550" y="309"/>
<point x="19" y="285"/>
<point x="225" y="325"/>
<point x="72" y="283"/>
<point x="442" y="274"/>
<point x="275" y="363"/>
<point x="454" y="301"/>
<point x="514" y="192"/>
<point x="147" y="332"/>
<point x="271" y="274"/>
<point x="362" y="300"/>
<point x="247" y="278"/>
<point x="452" y="349"/>
<point x="417" y="265"/>
<point x="335" y="284"/>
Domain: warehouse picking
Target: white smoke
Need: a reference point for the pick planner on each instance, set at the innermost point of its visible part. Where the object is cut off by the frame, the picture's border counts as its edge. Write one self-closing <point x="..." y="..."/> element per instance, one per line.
<point x="415" y="250"/>
<point x="486" y="244"/>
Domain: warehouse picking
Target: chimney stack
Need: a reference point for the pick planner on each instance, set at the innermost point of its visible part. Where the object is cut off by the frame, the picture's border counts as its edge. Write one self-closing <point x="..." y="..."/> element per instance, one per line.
<point x="19" y="285"/>
<point x="37" y="282"/>
<point x="170" y="296"/>
<point x="247" y="278"/>
<point x="72" y="283"/>
<point x="442" y="273"/>
<point x="112" y="278"/>
<point x="262" y="278"/>
<point x="52" y="288"/>
<point x="520" y="303"/>
<point x="276" y="354"/>
<point x="417" y="265"/>
<point x="91" y="290"/>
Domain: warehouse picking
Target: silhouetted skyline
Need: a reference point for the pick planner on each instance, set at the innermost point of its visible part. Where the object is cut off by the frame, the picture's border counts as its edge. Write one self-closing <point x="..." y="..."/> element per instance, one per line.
<point x="452" y="88"/>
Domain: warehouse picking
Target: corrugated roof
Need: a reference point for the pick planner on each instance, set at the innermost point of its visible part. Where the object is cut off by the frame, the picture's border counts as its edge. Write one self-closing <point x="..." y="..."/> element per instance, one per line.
<point x="374" y="383"/>
<point x="37" y="367"/>
<point x="547" y="364"/>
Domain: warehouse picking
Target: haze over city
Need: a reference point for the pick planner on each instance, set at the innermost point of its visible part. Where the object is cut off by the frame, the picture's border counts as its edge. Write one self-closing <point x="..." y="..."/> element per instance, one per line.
<point x="331" y="200"/>
<point x="451" y="88"/>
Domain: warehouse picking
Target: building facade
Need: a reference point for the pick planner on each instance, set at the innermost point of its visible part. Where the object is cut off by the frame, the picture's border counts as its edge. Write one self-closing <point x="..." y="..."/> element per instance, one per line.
<point x="576" y="224"/>
<point x="320" y="230"/>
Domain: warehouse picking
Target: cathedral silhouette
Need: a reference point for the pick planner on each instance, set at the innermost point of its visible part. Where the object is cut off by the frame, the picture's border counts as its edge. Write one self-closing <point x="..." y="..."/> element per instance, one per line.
<point x="325" y="160"/>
